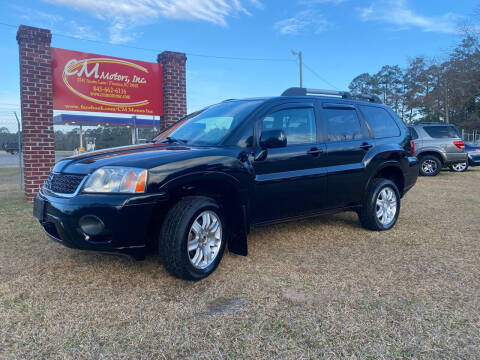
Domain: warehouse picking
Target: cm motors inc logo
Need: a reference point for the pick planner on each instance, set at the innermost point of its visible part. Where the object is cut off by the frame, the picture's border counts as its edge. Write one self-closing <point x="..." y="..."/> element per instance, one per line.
<point x="86" y="79"/>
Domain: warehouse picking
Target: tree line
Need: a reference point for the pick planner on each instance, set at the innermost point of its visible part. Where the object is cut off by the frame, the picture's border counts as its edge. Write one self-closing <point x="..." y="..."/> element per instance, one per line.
<point x="429" y="90"/>
<point x="105" y="137"/>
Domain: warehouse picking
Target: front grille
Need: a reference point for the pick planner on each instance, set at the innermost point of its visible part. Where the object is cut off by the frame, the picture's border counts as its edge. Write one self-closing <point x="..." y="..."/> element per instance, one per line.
<point x="63" y="183"/>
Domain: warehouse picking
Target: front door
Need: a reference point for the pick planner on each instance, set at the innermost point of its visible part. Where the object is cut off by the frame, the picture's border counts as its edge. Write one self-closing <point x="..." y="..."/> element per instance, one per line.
<point x="290" y="181"/>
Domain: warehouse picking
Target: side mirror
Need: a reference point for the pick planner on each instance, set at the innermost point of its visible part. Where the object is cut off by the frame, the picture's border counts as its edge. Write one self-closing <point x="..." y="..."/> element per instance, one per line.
<point x="271" y="139"/>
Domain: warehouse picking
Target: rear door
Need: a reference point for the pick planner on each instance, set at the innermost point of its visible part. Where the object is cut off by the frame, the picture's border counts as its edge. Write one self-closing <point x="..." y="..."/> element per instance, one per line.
<point x="347" y="142"/>
<point x="291" y="180"/>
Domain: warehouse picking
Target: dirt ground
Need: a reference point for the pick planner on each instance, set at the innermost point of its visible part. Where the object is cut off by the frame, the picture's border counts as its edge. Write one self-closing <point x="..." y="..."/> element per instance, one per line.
<point x="317" y="288"/>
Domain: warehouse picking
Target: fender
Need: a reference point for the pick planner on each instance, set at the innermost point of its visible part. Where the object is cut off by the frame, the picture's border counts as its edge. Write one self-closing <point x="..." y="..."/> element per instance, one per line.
<point x="237" y="241"/>
<point x="433" y="149"/>
<point x="383" y="156"/>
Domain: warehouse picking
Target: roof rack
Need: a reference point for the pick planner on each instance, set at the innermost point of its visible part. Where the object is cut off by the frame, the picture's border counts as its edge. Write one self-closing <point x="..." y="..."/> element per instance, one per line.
<point x="297" y="91"/>
<point x="431" y="123"/>
<point x="368" y="97"/>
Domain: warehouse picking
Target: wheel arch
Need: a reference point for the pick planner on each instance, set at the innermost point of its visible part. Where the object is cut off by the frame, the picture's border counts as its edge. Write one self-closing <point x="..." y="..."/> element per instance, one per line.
<point x="224" y="189"/>
<point x="391" y="170"/>
<point x="393" y="173"/>
<point x="435" y="153"/>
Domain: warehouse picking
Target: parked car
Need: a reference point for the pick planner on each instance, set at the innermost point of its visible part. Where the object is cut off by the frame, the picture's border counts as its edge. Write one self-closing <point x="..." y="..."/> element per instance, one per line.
<point x="437" y="145"/>
<point x="473" y="153"/>
<point x="235" y="164"/>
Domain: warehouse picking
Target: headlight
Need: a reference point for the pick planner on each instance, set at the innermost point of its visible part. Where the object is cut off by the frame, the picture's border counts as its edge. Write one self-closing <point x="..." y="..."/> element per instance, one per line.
<point x="116" y="179"/>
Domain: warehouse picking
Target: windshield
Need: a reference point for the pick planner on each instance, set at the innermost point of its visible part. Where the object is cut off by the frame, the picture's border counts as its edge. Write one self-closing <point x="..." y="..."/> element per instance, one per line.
<point x="169" y="130"/>
<point x="212" y="125"/>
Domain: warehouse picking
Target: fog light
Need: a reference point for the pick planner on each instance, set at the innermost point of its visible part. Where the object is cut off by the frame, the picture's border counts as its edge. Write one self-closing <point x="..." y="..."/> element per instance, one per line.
<point x="91" y="225"/>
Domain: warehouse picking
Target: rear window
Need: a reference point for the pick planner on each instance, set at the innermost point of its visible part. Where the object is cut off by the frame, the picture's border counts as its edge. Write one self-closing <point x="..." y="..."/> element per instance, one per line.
<point x="381" y="123"/>
<point x="441" y="132"/>
<point x="413" y="133"/>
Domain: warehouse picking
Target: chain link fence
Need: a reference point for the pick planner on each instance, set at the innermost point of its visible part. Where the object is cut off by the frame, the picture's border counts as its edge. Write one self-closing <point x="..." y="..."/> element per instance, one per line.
<point x="11" y="164"/>
<point x="472" y="136"/>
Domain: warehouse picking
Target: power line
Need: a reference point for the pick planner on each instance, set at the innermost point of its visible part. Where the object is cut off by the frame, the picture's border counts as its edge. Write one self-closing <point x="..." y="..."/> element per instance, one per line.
<point x="158" y="50"/>
<point x="188" y="54"/>
<point x="9" y="25"/>
<point x="321" y="78"/>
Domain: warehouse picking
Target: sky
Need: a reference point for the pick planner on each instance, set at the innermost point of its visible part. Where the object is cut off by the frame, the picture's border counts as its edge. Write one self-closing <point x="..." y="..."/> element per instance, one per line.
<point x="241" y="48"/>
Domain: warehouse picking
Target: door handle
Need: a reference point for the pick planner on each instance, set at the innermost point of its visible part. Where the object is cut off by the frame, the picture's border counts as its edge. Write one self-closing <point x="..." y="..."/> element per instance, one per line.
<point x="314" y="151"/>
<point x="366" y="146"/>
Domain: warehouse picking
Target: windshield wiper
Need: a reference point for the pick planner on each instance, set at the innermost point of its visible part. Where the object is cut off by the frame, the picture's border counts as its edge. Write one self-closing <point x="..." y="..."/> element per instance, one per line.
<point x="172" y="140"/>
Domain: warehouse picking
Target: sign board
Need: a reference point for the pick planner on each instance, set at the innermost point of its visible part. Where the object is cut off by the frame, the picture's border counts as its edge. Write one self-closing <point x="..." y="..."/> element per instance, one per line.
<point x="99" y="83"/>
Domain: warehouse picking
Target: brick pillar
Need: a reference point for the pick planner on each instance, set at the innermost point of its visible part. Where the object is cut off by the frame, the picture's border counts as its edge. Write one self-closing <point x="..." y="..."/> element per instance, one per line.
<point x="174" y="86"/>
<point x="37" y="106"/>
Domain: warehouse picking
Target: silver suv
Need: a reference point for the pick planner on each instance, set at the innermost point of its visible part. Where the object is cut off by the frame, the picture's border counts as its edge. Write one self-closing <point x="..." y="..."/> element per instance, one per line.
<point x="438" y="145"/>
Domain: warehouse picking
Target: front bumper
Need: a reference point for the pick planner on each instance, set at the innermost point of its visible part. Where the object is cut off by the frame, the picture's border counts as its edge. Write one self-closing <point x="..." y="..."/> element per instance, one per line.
<point x="127" y="220"/>
<point x="474" y="159"/>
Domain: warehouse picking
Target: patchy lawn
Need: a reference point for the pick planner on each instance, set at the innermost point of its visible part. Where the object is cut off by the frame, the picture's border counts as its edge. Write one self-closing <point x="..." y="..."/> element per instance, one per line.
<point x="318" y="288"/>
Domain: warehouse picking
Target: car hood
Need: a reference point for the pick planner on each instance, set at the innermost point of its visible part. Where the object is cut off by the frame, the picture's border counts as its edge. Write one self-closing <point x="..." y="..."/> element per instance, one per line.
<point x="145" y="156"/>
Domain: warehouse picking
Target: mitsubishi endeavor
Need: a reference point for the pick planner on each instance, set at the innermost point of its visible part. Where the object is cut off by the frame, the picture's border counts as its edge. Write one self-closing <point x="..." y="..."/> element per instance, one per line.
<point x="201" y="184"/>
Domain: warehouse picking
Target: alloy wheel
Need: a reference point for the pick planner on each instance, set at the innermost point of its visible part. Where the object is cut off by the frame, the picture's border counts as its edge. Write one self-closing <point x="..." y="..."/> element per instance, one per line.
<point x="429" y="166"/>
<point x="204" y="239"/>
<point x="459" y="166"/>
<point x="386" y="206"/>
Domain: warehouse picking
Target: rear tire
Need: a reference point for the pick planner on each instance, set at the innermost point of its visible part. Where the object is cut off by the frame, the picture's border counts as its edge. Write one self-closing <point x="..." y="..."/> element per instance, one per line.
<point x="459" y="167"/>
<point x="430" y="165"/>
<point x="381" y="206"/>
<point x="193" y="217"/>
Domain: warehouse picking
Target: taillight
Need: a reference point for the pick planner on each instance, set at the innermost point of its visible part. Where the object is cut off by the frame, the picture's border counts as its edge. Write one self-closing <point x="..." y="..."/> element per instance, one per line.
<point x="460" y="144"/>
<point x="412" y="148"/>
<point x="477" y="150"/>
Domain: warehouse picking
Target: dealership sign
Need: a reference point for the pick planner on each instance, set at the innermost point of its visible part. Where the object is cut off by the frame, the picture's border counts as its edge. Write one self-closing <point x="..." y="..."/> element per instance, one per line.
<point x="98" y="83"/>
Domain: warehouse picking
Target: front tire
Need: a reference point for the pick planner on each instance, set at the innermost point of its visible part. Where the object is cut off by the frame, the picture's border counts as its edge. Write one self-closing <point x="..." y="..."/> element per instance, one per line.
<point x="192" y="238"/>
<point x="459" y="167"/>
<point x="430" y="165"/>
<point x="381" y="206"/>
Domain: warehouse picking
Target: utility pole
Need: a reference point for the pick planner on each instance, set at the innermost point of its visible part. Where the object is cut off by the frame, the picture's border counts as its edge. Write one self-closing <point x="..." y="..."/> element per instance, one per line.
<point x="134" y="130"/>
<point x="81" y="137"/>
<point x="299" y="53"/>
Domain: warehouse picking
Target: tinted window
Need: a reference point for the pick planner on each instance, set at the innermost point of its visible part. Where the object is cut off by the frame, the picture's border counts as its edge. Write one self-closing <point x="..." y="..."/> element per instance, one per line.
<point x="342" y="124"/>
<point x="297" y="124"/>
<point x="413" y="133"/>
<point x="381" y="123"/>
<point x="211" y="125"/>
<point x="442" y="131"/>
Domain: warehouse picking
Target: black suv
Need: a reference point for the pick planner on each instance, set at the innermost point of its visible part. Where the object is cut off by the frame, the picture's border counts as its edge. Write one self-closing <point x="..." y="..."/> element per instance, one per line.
<point x="205" y="181"/>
